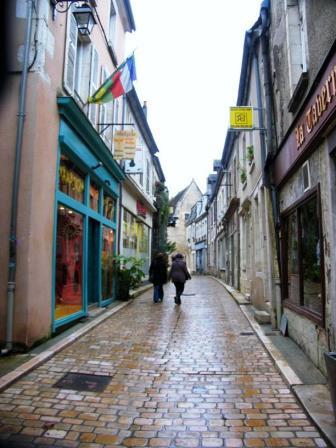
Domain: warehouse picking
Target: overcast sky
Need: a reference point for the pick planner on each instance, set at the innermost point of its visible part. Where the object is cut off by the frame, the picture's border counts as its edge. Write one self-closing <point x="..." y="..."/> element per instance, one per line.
<point x="188" y="59"/>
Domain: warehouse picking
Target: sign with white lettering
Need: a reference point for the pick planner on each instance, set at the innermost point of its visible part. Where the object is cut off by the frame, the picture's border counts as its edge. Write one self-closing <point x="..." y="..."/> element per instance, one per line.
<point x="319" y="111"/>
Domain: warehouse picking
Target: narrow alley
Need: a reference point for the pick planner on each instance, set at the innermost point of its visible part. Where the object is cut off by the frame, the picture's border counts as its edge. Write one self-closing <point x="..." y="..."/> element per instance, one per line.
<point x="193" y="375"/>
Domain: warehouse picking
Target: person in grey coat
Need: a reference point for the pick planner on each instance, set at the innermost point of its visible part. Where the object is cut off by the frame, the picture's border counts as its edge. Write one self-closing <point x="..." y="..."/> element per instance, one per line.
<point x="179" y="274"/>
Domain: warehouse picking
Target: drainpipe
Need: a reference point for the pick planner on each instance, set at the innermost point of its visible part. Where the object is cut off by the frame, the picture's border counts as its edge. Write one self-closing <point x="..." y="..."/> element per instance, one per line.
<point x="269" y="125"/>
<point x="11" y="283"/>
<point x="260" y="115"/>
<point x="264" y="16"/>
<point x="119" y="220"/>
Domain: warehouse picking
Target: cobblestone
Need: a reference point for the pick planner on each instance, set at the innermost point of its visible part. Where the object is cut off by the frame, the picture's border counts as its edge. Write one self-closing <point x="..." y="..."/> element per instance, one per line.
<point x="180" y="377"/>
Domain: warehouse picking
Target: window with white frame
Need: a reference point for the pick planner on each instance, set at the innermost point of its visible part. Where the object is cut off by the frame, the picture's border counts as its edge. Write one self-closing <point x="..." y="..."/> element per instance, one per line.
<point x="148" y="176"/>
<point x="112" y="24"/>
<point x="94" y="84"/>
<point x="106" y="115"/>
<point x="81" y="67"/>
<point x="83" y="70"/>
<point x="296" y="42"/>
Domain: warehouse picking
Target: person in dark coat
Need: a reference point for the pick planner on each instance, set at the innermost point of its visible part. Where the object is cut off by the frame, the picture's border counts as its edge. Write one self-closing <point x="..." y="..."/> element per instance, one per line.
<point x="179" y="274"/>
<point x="158" y="276"/>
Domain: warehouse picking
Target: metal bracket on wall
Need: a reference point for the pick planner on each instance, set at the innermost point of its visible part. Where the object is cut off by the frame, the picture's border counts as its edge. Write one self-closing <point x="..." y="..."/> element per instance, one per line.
<point x="246" y="129"/>
<point x="107" y="125"/>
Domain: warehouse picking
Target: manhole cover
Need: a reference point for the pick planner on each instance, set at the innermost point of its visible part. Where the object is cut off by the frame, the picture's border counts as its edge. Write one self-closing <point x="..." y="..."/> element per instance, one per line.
<point x="83" y="381"/>
<point x="246" y="333"/>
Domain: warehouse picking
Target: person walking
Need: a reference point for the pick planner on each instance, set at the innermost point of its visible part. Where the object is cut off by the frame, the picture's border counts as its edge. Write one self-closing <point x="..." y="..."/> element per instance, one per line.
<point x="179" y="274"/>
<point x="158" y="276"/>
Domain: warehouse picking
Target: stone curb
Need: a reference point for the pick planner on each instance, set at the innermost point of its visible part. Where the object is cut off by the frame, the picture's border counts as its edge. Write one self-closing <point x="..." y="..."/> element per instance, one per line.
<point x="39" y="359"/>
<point x="290" y="376"/>
<point x="287" y="372"/>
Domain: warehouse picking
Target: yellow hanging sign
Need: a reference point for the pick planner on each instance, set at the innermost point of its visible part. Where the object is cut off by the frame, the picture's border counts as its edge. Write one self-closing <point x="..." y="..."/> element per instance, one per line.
<point x="124" y="144"/>
<point x="241" y="117"/>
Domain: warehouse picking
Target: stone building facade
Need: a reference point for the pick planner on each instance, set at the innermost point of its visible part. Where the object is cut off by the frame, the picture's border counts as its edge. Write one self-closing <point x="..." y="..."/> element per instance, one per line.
<point x="180" y="206"/>
<point x="303" y="169"/>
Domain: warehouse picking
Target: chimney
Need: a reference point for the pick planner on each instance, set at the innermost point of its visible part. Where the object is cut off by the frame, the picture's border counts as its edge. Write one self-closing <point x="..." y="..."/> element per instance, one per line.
<point x="144" y="108"/>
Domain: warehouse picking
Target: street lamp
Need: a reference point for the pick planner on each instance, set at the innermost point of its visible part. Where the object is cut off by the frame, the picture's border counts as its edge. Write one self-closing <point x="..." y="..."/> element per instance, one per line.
<point x="82" y="12"/>
<point x="84" y="18"/>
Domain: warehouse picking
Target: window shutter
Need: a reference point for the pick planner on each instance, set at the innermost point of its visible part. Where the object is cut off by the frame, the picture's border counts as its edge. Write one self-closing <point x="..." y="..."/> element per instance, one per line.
<point x="70" y="54"/>
<point x="94" y="84"/>
<point x="106" y="115"/>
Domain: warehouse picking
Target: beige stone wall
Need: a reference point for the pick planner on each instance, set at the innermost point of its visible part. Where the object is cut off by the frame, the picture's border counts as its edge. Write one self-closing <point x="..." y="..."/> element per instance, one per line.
<point x="311" y="337"/>
<point x="178" y="233"/>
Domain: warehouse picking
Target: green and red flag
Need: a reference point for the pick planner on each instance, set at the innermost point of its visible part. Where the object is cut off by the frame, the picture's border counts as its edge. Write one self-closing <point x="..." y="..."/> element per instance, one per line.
<point x="119" y="83"/>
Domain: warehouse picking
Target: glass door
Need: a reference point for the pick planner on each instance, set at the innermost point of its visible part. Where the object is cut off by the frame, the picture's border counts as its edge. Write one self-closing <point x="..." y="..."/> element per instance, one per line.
<point x="69" y="263"/>
<point x="93" y="262"/>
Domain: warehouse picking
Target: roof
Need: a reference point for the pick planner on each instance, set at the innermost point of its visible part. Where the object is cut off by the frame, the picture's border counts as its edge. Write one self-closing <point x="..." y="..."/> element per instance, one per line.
<point x="173" y="202"/>
<point x="158" y="168"/>
<point x="126" y="15"/>
<point x="243" y="86"/>
<point x="141" y="120"/>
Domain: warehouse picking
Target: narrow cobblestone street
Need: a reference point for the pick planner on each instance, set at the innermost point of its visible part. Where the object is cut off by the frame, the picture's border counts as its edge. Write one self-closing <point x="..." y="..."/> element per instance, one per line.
<point x="188" y="376"/>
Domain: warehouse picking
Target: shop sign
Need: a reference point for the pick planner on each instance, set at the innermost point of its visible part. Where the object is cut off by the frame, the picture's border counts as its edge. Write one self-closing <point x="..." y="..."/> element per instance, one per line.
<point x="135" y="167"/>
<point x="241" y="117"/>
<point x="141" y="209"/>
<point x="124" y="144"/>
<point x="315" y="116"/>
<point x="314" y="113"/>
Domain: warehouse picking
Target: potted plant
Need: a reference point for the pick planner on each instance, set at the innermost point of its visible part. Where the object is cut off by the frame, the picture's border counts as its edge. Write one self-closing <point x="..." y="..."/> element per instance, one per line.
<point x="129" y="274"/>
<point x="250" y="154"/>
<point x="243" y="175"/>
<point x="330" y="360"/>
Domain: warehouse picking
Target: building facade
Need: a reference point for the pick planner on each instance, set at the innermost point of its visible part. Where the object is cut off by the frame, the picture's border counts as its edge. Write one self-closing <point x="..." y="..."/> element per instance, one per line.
<point x="138" y="190"/>
<point x="303" y="168"/>
<point x="180" y="206"/>
<point x="241" y="223"/>
<point x="62" y="209"/>
<point x="196" y="230"/>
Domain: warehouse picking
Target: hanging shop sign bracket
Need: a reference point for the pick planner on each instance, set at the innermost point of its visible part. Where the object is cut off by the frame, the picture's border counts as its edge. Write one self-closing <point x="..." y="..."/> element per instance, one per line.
<point x="246" y="129"/>
<point x="107" y="125"/>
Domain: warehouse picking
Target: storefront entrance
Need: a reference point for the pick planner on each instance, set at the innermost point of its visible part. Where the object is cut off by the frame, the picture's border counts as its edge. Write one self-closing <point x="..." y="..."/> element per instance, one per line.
<point x="93" y="262"/>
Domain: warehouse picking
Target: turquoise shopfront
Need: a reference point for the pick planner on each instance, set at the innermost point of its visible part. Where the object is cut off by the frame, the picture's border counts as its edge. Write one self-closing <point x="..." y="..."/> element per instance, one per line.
<point x="86" y="203"/>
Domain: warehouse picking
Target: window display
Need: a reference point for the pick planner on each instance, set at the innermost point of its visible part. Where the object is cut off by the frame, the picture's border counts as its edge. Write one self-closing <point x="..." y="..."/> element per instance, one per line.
<point x="107" y="263"/>
<point x="69" y="265"/>
<point x="71" y="180"/>
<point x="135" y="239"/>
<point x="109" y="207"/>
<point x="304" y="287"/>
<point x="94" y="197"/>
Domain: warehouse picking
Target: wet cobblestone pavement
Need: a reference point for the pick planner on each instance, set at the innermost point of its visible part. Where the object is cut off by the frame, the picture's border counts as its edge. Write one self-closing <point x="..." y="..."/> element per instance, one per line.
<point x="188" y="376"/>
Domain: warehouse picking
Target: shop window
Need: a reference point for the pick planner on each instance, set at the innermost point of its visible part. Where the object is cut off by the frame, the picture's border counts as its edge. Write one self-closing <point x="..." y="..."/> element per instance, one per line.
<point x="303" y="253"/>
<point x="136" y="239"/>
<point x="107" y="263"/>
<point x="69" y="265"/>
<point x="129" y="232"/>
<point x="71" y="179"/>
<point x="109" y="207"/>
<point x="94" y="197"/>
